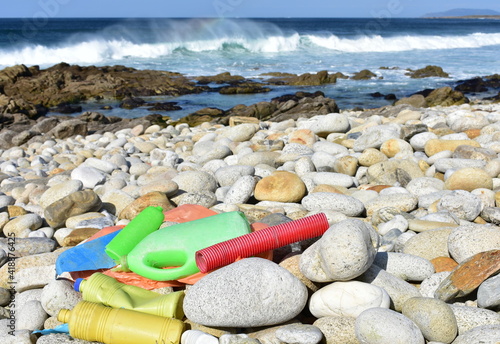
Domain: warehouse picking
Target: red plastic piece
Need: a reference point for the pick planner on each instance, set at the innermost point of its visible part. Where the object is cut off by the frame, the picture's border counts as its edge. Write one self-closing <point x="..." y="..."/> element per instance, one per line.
<point x="266" y="239"/>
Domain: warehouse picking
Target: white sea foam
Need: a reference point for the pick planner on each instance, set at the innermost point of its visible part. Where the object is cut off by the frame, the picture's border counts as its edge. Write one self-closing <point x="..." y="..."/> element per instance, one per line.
<point x="404" y="43"/>
<point x="248" y="39"/>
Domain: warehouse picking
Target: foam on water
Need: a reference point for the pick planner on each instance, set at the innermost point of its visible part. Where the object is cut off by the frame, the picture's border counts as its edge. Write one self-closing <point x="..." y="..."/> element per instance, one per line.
<point x="235" y="38"/>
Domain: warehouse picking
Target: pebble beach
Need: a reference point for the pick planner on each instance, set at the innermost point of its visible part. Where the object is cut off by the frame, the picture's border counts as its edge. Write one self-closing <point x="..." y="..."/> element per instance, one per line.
<point x="411" y="195"/>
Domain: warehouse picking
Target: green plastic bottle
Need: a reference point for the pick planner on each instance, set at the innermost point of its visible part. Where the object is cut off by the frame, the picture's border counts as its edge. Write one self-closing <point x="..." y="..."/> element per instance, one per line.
<point x="175" y="246"/>
<point x="145" y="223"/>
<point x="103" y="289"/>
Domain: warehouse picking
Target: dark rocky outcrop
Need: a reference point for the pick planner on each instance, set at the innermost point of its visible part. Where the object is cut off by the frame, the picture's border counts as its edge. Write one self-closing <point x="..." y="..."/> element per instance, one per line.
<point x="307" y="79"/>
<point x="494" y="99"/>
<point x="244" y="89"/>
<point x="475" y="85"/>
<point x="444" y="96"/>
<point x="478" y="84"/>
<point x="365" y="74"/>
<point x="300" y="104"/>
<point x="132" y="103"/>
<point x="166" y="106"/>
<point x="222" y="78"/>
<point x="415" y="100"/>
<point x="66" y="108"/>
<point x="427" y="72"/>
<point x="12" y="105"/>
<point x="72" y="84"/>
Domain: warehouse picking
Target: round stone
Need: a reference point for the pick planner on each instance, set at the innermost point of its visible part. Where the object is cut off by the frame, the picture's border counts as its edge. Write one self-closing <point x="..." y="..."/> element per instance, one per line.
<point x="381" y="326"/>
<point x="487" y="334"/>
<point x="488" y="293"/>
<point x="75" y="204"/>
<point x="89" y="176"/>
<point x="347" y="299"/>
<point x="21" y="226"/>
<point x="195" y="181"/>
<point x="470" y="239"/>
<point x="248" y="293"/>
<point x="31" y="316"/>
<point x="371" y="156"/>
<point x="344" y="204"/>
<point x="345" y="251"/>
<point x="228" y="175"/>
<point x="59" y="191"/>
<point x="461" y="203"/>
<point x="346" y="165"/>
<point x="59" y="294"/>
<point x="471" y="317"/>
<point x="393" y="147"/>
<point x="240" y="191"/>
<point x="403" y="202"/>
<point x="398" y="290"/>
<point x="324" y="125"/>
<point x="241" y="132"/>
<point x="299" y="333"/>
<point x="405" y="266"/>
<point x="281" y="186"/>
<point x="469" y="179"/>
<point x="376" y="135"/>
<point x="338" y="330"/>
<point x="434" y="317"/>
<point x="434" y="146"/>
<point x="429" y="244"/>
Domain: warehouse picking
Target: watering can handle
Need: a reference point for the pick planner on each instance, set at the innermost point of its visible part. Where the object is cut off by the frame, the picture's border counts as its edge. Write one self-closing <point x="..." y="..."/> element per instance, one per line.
<point x="166" y="272"/>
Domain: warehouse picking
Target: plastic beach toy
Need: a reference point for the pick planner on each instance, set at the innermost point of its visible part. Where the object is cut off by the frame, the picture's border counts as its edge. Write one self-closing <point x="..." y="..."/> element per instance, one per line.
<point x="103" y="289"/>
<point x="145" y="223"/>
<point x="95" y="322"/>
<point x="175" y="246"/>
<point x="270" y="238"/>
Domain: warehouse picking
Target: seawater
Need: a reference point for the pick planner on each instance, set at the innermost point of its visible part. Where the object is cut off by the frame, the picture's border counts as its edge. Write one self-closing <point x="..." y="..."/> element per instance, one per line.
<point x="464" y="48"/>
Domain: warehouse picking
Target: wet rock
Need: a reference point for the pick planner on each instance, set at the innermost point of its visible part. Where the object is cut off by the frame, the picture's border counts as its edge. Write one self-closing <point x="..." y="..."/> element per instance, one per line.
<point x="428" y="71"/>
<point x="365" y="74"/>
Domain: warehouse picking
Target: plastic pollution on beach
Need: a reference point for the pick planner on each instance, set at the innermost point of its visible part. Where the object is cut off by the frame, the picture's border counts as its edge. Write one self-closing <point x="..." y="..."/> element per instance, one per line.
<point x="94" y="322"/>
<point x="105" y="290"/>
<point x="175" y="246"/>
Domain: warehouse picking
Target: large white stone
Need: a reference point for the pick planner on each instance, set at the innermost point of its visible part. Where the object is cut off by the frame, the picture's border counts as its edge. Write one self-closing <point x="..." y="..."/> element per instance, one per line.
<point x="347" y="299"/>
<point x="248" y="293"/>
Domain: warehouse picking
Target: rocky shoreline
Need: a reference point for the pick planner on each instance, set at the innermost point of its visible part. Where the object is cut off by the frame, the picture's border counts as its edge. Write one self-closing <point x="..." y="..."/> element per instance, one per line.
<point x="411" y="192"/>
<point x="28" y="94"/>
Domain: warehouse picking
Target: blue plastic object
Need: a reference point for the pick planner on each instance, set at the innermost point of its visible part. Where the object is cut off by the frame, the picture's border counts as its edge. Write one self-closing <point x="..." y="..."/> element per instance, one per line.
<point x="87" y="256"/>
<point x="77" y="284"/>
<point x="64" y="328"/>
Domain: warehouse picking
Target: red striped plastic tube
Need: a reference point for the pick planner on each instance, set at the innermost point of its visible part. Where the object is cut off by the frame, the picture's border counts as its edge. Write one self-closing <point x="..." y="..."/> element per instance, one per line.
<point x="266" y="239"/>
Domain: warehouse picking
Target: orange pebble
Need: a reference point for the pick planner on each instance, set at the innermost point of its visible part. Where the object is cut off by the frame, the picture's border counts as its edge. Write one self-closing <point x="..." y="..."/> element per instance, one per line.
<point x="444" y="264"/>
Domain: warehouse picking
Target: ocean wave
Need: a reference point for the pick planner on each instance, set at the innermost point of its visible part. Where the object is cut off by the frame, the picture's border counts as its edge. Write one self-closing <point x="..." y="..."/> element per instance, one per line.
<point x="228" y="36"/>
<point x="404" y="43"/>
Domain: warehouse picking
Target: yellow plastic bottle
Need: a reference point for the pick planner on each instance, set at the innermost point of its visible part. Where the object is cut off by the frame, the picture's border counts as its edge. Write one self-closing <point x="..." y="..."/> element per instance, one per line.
<point x="100" y="288"/>
<point x="94" y="322"/>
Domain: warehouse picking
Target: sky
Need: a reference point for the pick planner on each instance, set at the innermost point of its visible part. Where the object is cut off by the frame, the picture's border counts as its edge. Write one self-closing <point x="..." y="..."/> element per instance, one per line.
<point x="235" y="8"/>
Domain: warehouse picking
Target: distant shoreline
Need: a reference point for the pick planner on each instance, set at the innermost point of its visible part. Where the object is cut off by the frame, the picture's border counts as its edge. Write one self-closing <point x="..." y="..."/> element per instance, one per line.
<point x="497" y="17"/>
